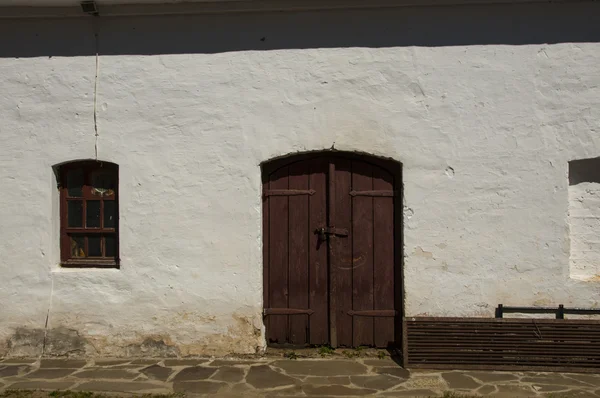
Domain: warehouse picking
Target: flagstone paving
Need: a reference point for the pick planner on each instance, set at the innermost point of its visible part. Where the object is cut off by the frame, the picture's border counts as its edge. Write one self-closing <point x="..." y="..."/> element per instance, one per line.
<point x="274" y="377"/>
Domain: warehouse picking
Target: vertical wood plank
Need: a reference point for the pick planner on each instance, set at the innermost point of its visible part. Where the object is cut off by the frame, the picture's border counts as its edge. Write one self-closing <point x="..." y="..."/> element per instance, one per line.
<point x="341" y="263"/>
<point x="383" y="257"/>
<point x="333" y="283"/>
<point x="318" y="269"/>
<point x="266" y="243"/>
<point x="362" y="253"/>
<point x="298" y="252"/>
<point x="278" y="257"/>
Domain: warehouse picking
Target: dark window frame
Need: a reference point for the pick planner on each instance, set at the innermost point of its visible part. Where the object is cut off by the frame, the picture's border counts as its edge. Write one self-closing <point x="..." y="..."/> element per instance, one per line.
<point x="89" y="193"/>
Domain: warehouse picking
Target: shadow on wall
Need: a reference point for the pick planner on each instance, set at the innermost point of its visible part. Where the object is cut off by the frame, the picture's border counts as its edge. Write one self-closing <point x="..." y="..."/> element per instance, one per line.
<point x="516" y="24"/>
<point x="584" y="170"/>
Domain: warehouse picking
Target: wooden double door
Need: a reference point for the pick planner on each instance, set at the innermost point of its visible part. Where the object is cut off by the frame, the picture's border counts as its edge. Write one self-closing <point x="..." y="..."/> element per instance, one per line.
<point x="332" y="251"/>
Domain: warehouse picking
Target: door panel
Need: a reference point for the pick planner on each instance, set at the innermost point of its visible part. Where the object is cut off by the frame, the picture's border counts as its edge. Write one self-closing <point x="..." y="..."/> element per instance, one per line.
<point x="298" y="253"/>
<point x="278" y="256"/>
<point x="362" y="253"/>
<point x="318" y="256"/>
<point x="341" y="262"/>
<point x="383" y="259"/>
<point x="364" y="264"/>
<point x="297" y="264"/>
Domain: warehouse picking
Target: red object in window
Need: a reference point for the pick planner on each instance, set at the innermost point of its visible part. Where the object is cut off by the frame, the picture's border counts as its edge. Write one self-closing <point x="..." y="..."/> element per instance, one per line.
<point x="89" y="214"/>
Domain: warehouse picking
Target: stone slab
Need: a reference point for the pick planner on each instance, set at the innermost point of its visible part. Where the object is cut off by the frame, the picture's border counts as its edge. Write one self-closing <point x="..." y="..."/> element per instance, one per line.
<point x="111" y="362"/>
<point x="376" y="382"/>
<point x="14" y="370"/>
<point x="63" y="363"/>
<point x="509" y="391"/>
<point x="550" y="387"/>
<point x="194" y="373"/>
<point x="593" y="380"/>
<point x="265" y="377"/>
<point x="321" y="367"/>
<point x="343" y="391"/>
<point x="42" y="385"/>
<point x="146" y="361"/>
<point x="241" y="388"/>
<point x="411" y="393"/>
<point x="571" y="394"/>
<point x="493" y="377"/>
<point x="287" y="391"/>
<point x="156" y="372"/>
<point x="342" y="380"/>
<point x="198" y="387"/>
<point x="103" y="373"/>
<point x="458" y="380"/>
<point x="184" y="362"/>
<point x="380" y="362"/>
<point x="229" y="374"/>
<point x="487" y="389"/>
<point x="553" y="378"/>
<point x="119" y="386"/>
<point x="50" y="373"/>
<point x="393" y="371"/>
<point x="130" y="366"/>
<point x="227" y="362"/>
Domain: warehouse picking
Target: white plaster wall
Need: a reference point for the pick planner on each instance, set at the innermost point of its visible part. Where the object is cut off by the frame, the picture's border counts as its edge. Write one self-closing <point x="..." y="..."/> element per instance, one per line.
<point x="484" y="106"/>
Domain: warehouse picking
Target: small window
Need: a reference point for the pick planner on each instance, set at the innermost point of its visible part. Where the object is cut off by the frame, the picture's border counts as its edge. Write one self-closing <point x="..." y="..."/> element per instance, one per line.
<point x="584" y="218"/>
<point x="89" y="214"/>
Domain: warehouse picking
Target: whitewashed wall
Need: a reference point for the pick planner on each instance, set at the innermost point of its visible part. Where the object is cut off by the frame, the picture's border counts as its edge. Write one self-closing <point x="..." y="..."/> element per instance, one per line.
<point x="484" y="106"/>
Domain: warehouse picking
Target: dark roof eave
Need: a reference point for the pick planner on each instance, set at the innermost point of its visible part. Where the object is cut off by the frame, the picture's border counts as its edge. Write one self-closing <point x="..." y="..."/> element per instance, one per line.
<point x="221" y="7"/>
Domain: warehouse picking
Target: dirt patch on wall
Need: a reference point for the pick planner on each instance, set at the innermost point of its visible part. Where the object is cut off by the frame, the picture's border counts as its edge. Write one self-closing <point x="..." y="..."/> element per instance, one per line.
<point x="155" y="346"/>
<point x="25" y="342"/>
<point x="59" y="341"/>
<point x="244" y="336"/>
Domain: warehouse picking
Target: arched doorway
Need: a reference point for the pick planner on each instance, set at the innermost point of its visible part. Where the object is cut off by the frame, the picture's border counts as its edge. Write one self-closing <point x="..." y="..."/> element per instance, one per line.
<point x="332" y="254"/>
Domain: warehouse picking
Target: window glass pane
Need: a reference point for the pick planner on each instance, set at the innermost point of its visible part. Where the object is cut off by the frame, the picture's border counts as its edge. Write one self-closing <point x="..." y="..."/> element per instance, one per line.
<point x="77" y="246"/>
<point x="110" y="246"/>
<point x="109" y="214"/>
<point x="103" y="183"/>
<point x="75" y="182"/>
<point x="94" y="246"/>
<point x="75" y="213"/>
<point x="92" y="217"/>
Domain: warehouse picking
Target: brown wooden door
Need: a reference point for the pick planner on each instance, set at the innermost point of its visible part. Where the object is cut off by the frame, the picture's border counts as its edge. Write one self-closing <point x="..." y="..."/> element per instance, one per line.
<point x="332" y="246"/>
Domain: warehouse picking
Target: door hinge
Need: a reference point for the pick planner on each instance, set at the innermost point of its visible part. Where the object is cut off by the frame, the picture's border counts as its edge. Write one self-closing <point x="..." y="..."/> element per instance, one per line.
<point x="287" y="311"/>
<point x="382" y="193"/>
<point x="288" y="192"/>
<point x="377" y="313"/>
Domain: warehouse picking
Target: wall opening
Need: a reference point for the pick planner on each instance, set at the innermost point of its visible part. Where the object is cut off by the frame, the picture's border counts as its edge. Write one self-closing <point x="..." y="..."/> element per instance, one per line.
<point x="584" y="218"/>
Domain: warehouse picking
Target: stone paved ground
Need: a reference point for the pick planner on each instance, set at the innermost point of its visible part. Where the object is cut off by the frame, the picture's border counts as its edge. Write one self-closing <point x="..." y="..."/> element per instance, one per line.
<point x="283" y="377"/>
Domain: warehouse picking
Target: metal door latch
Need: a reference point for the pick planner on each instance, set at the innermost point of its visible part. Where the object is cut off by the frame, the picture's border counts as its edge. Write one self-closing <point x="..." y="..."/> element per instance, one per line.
<point x="324" y="232"/>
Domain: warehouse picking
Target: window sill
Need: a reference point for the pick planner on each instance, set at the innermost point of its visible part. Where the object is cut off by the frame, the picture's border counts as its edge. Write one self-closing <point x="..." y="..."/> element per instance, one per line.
<point x="93" y="263"/>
